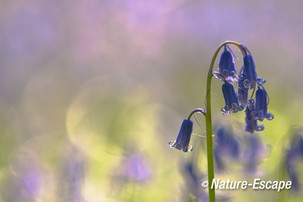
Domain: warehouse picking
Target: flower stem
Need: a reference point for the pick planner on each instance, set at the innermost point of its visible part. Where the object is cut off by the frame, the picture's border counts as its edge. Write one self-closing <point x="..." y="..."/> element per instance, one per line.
<point x="252" y="95"/>
<point x="195" y="111"/>
<point x="210" y="158"/>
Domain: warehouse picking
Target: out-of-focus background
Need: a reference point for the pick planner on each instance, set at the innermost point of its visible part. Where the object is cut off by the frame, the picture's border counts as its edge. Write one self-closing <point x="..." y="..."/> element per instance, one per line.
<point x="91" y="92"/>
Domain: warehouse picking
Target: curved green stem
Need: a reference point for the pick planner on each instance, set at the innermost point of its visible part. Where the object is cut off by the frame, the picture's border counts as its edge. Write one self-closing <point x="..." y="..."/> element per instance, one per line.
<point x="210" y="158"/>
<point x="195" y="111"/>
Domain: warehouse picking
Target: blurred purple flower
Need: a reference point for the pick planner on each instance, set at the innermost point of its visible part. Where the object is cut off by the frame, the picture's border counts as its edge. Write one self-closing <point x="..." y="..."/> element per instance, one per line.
<point x="32" y="181"/>
<point x="136" y="169"/>
<point x="26" y="167"/>
<point x="253" y="153"/>
<point x="193" y="182"/>
<point x="293" y="154"/>
<point x="291" y="159"/>
<point x="76" y="179"/>
<point x="72" y="175"/>
<point x="226" y="145"/>
<point x="193" y="189"/>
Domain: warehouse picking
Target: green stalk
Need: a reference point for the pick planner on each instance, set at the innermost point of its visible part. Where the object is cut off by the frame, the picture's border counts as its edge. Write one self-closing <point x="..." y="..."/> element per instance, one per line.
<point x="210" y="155"/>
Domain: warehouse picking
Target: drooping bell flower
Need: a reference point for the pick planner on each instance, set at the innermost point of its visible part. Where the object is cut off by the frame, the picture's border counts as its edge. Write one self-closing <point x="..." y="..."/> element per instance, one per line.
<point x="249" y="72"/>
<point x="250" y="121"/>
<point x="183" y="139"/>
<point x="227" y="65"/>
<point x="261" y="105"/>
<point x="231" y="99"/>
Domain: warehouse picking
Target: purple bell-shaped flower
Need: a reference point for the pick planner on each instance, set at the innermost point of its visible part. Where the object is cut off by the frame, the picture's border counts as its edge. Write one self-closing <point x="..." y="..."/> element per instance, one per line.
<point x="182" y="142"/>
<point x="251" y="122"/>
<point x="261" y="105"/>
<point x="227" y="65"/>
<point x="249" y="72"/>
<point x="231" y="99"/>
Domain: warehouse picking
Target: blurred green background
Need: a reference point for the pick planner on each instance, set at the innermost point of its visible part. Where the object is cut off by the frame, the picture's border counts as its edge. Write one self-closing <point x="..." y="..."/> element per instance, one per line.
<point x="92" y="91"/>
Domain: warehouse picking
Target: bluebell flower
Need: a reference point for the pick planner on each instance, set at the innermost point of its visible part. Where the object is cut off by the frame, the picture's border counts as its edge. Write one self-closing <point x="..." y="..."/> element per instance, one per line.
<point x="182" y="142"/>
<point x="249" y="71"/>
<point x="261" y="105"/>
<point x="231" y="99"/>
<point x="293" y="154"/>
<point x="227" y="65"/>
<point x="250" y="120"/>
<point x="226" y="145"/>
<point x="242" y="92"/>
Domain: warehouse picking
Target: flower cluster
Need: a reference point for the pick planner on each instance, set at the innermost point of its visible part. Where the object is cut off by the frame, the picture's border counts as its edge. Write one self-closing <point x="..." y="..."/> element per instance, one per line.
<point x="246" y="80"/>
